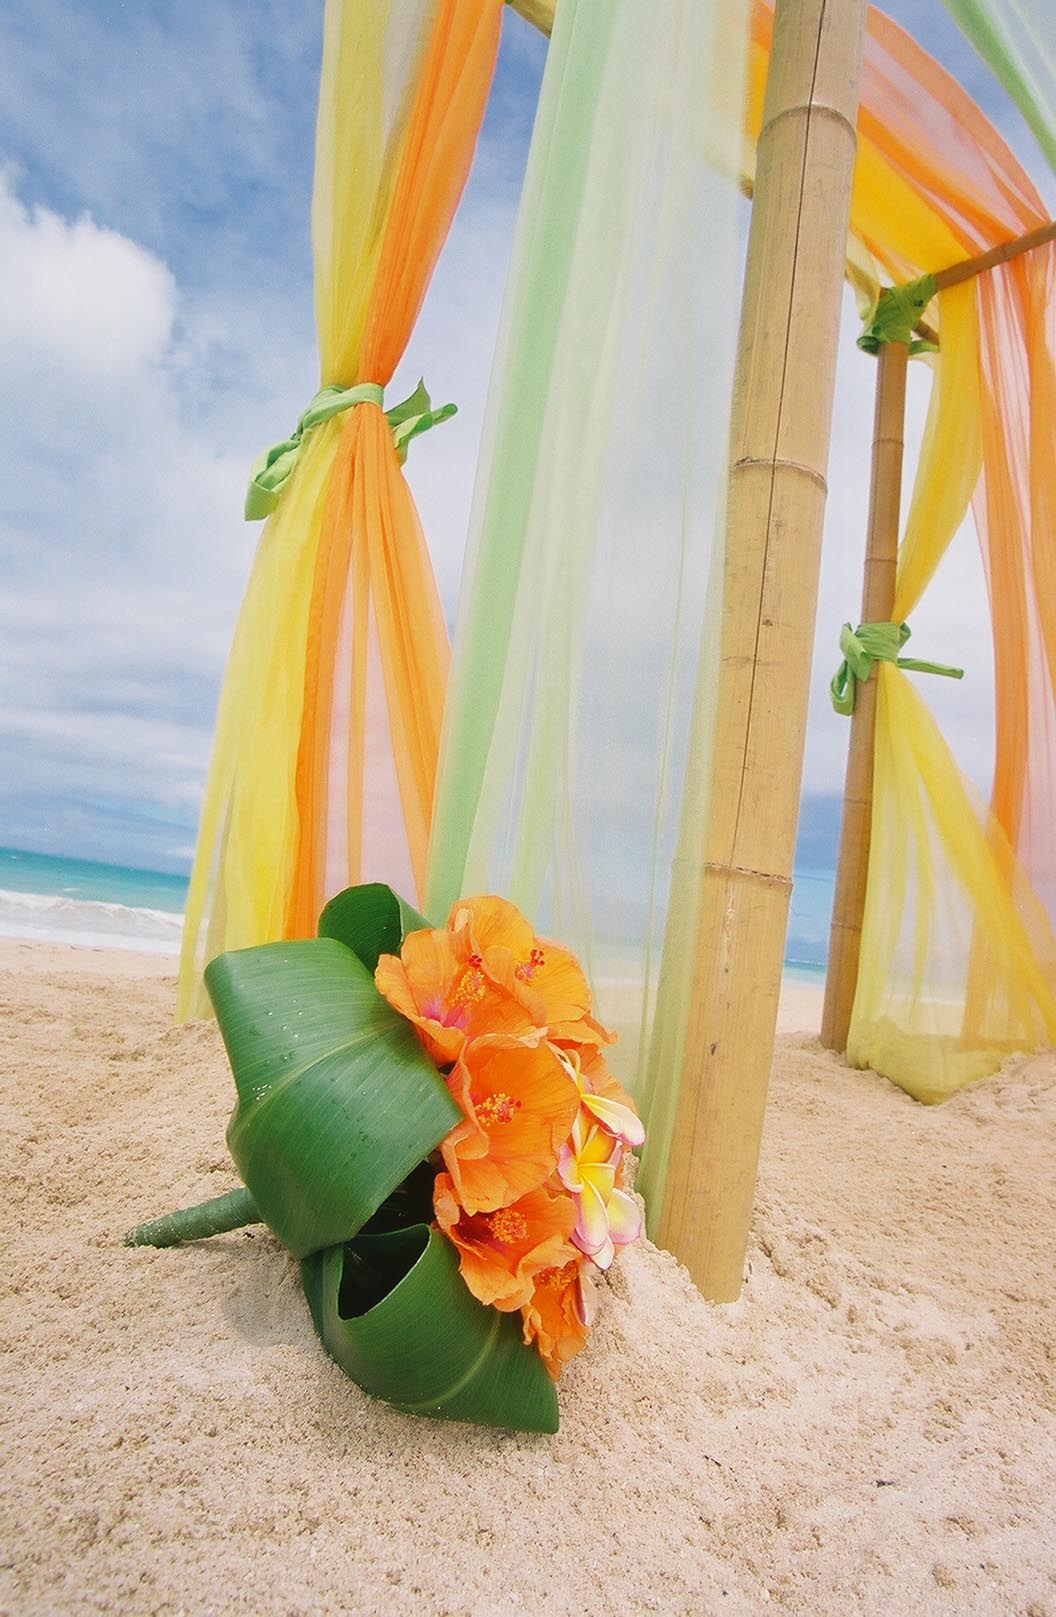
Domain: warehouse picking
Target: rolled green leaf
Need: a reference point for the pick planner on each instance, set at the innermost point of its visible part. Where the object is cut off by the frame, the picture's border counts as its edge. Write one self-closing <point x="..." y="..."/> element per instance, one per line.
<point x="337" y="1101"/>
<point x="395" y="1314"/>
<point x="231" y="1211"/>
<point x="371" y="920"/>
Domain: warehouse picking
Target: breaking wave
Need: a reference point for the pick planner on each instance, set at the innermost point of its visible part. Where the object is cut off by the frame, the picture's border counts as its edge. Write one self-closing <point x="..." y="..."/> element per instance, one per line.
<point x="55" y="919"/>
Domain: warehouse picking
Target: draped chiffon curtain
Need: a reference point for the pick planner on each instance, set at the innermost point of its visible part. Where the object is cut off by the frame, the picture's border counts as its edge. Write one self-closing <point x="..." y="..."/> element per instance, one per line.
<point x="333" y="696"/>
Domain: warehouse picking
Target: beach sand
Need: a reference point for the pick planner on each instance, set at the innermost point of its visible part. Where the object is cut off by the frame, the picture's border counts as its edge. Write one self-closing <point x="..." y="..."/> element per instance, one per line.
<point x="872" y="1429"/>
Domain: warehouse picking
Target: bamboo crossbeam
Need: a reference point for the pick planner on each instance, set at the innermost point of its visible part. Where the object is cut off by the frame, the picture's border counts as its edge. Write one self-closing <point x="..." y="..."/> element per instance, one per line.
<point x="780" y="441"/>
<point x="968" y="268"/>
<point x="878" y="600"/>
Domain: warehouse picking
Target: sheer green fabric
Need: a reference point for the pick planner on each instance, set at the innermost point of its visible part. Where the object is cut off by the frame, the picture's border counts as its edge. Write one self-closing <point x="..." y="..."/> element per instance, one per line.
<point x="1017" y="40"/>
<point x="583" y="608"/>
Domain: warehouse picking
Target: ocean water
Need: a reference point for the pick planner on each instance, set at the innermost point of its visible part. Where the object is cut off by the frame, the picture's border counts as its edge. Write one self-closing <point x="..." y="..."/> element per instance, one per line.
<point x="54" y="900"/>
<point x="57" y="900"/>
<point x="807" y="946"/>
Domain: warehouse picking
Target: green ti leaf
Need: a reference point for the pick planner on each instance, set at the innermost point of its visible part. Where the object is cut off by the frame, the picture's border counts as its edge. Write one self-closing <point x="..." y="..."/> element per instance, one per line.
<point x="337" y="1101"/>
<point x="394" y="1312"/>
<point x="371" y="920"/>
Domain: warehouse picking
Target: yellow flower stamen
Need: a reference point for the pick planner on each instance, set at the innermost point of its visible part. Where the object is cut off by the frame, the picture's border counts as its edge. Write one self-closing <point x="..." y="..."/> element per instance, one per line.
<point x="507" y="1225"/>
<point x="554" y="1279"/>
<point x="470" y="990"/>
<point x="497" y="1108"/>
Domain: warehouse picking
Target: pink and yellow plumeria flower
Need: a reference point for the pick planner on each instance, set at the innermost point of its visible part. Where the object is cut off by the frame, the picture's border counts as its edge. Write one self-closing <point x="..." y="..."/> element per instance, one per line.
<point x="611" y="1111"/>
<point x="607" y="1217"/>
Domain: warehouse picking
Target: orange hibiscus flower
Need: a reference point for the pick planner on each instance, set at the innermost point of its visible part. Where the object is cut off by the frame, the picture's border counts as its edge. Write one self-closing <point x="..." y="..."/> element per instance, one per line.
<point x="519" y="1103"/>
<point x="546" y="979"/>
<point x="560" y="1314"/>
<point x="487" y="972"/>
<point x="441" y="986"/>
<point x="500" y="1253"/>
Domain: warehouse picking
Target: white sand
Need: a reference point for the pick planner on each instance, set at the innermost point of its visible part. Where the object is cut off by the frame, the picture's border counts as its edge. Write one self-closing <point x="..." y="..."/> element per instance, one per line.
<point x="872" y="1429"/>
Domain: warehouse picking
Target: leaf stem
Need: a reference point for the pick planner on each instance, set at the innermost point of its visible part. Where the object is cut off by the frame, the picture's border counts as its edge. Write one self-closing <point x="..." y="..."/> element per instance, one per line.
<point x="222" y="1213"/>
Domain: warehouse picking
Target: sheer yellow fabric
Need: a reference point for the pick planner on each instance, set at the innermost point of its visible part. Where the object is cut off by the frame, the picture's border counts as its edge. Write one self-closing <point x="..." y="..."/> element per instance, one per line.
<point x="939" y="861"/>
<point x="935" y="1010"/>
<point x="958" y="963"/>
<point x="335" y="686"/>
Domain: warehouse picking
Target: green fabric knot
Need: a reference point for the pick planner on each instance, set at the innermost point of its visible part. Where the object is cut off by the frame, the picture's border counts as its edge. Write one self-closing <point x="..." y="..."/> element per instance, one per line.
<point x="896" y="315"/>
<point x="273" y="469"/>
<point x="874" y="643"/>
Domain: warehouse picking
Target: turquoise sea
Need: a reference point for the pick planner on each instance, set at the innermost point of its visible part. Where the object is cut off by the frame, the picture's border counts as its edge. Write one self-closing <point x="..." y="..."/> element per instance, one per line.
<point x="59" y="900"/>
<point x="75" y="901"/>
<point x="807" y="945"/>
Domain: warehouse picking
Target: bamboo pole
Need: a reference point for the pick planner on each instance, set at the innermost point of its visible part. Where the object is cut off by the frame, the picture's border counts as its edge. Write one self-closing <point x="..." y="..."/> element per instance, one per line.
<point x="878" y="600"/>
<point x="540" y="13"/>
<point x="776" y="499"/>
<point x="967" y="268"/>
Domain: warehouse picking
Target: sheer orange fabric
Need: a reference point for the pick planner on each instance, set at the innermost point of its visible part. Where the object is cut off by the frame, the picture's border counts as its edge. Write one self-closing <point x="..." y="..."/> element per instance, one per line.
<point x="369" y="502"/>
<point x="335" y="686"/>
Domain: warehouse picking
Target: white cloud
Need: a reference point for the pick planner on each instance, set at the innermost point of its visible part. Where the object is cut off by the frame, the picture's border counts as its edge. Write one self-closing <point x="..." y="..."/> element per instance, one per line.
<point x="77" y="300"/>
<point x="125" y="557"/>
<point x="188" y="126"/>
<point x="132" y="405"/>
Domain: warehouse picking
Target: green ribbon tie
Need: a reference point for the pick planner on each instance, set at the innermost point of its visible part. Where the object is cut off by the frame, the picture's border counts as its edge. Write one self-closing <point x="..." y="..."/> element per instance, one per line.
<point x="896" y="315"/>
<point x="874" y="643"/>
<point x="273" y="469"/>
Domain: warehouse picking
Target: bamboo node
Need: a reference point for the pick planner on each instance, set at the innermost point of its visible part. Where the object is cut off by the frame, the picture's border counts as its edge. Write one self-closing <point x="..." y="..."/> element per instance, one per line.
<point x="784" y="464"/>
<point x="746" y="873"/>
<point x="809" y="111"/>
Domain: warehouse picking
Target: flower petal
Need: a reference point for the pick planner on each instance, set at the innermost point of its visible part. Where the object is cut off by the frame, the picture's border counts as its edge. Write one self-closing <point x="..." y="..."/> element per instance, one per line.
<point x="557" y="977"/>
<point x="520" y="1105"/>
<point x="592" y="1226"/>
<point x="586" y="1299"/>
<point x="585" y="1032"/>
<point x="616" y="1118"/>
<point x="600" y="1176"/>
<point x="625" y="1218"/>
<point x="600" y="1150"/>
<point x="488" y="923"/>
<point x="568" y="1169"/>
<point x="604" y="1257"/>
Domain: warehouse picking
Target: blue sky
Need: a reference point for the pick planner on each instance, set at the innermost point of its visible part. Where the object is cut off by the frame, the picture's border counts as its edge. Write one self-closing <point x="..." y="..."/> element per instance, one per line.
<point x="156" y="330"/>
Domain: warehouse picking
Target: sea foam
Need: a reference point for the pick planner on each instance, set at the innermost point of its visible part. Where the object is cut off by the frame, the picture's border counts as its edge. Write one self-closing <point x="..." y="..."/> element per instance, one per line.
<point x="55" y="919"/>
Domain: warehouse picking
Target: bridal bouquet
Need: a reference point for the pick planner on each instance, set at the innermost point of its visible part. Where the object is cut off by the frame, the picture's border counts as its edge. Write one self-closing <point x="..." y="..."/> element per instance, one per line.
<point x="426" y="1120"/>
